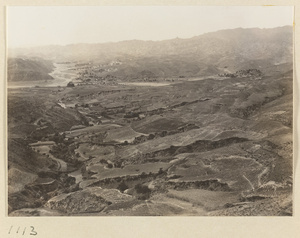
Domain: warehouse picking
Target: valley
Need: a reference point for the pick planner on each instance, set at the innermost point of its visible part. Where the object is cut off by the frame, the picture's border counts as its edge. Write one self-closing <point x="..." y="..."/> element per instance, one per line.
<point x="97" y="140"/>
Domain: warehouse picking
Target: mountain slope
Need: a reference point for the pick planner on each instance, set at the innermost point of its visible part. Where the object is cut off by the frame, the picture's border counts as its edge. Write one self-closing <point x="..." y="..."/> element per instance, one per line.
<point x="28" y="69"/>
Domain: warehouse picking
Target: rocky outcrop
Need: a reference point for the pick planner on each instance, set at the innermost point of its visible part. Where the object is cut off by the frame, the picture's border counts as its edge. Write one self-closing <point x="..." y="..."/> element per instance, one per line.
<point x="89" y="200"/>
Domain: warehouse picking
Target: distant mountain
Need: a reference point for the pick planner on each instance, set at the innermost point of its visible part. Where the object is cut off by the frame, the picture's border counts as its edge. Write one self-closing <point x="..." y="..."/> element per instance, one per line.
<point x="28" y="69"/>
<point x="225" y="51"/>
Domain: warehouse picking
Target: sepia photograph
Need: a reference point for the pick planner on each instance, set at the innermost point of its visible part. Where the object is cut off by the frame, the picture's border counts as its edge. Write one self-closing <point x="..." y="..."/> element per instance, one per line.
<point x="149" y="111"/>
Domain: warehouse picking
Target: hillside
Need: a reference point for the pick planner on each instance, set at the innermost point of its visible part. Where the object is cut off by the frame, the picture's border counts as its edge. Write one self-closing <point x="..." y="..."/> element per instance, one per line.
<point x="19" y="69"/>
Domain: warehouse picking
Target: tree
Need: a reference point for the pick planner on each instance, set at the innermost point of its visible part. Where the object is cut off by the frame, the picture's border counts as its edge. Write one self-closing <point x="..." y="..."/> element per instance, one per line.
<point x="70" y="84"/>
<point x="122" y="186"/>
<point x="160" y="171"/>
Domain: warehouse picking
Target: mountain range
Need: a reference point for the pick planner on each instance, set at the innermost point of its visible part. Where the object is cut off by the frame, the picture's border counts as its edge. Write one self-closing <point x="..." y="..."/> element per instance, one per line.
<point x="224" y="51"/>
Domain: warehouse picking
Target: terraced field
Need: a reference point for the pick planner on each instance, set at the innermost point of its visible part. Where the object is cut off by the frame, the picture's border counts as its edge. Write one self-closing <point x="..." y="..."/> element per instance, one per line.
<point x="206" y="147"/>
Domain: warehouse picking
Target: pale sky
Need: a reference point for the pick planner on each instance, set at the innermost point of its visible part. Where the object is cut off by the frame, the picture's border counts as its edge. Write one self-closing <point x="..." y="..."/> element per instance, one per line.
<point x="34" y="26"/>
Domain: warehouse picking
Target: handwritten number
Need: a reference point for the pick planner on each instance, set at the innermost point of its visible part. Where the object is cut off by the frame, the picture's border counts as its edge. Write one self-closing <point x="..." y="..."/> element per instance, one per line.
<point x="10" y="229"/>
<point x="33" y="232"/>
<point x="24" y="230"/>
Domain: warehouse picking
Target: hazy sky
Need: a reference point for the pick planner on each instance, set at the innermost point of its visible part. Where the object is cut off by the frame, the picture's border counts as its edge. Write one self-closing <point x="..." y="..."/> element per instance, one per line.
<point x="31" y="26"/>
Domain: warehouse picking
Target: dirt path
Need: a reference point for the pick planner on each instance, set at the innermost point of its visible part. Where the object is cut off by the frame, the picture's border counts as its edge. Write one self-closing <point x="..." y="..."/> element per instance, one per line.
<point x="266" y="170"/>
<point x="252" y="187"/>
<point x="62" y="165"/>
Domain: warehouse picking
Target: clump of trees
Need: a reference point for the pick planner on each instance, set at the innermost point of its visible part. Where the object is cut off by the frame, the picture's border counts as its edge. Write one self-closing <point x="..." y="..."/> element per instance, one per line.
<point x="65" y="152"/>
<point x="243" y="73"/>
<point x="143" y="192"/>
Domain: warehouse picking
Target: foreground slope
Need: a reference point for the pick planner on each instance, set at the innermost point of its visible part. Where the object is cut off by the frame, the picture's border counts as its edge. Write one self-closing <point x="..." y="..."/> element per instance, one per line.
<point x="208" y="147"/>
